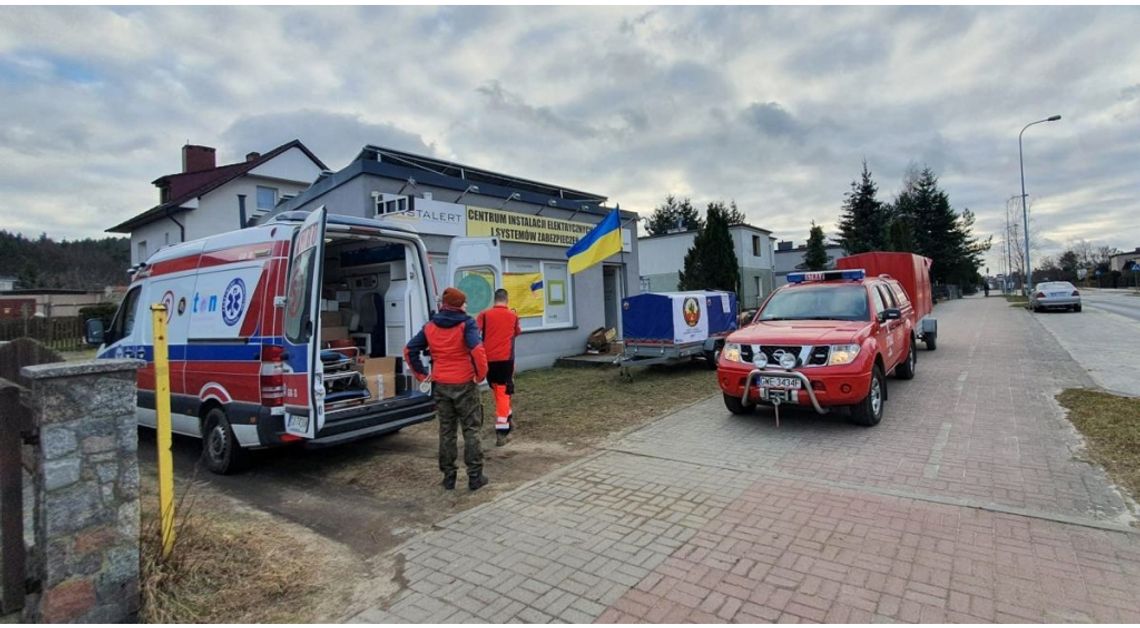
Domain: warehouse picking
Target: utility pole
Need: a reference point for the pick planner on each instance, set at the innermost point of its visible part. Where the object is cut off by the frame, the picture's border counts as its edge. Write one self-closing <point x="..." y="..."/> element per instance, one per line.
<point x="1024" y="211"/>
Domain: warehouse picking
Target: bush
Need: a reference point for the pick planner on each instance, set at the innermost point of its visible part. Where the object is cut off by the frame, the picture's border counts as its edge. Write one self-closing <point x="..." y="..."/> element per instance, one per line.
<point x="104" y="312"/>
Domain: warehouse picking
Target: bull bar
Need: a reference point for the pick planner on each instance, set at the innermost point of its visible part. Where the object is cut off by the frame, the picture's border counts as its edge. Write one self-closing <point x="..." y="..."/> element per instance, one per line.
<point x="754" y="373"/>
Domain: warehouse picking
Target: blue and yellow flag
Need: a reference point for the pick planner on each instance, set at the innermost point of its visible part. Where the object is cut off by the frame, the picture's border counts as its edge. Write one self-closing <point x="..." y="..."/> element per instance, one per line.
<point x="601" y="242"/>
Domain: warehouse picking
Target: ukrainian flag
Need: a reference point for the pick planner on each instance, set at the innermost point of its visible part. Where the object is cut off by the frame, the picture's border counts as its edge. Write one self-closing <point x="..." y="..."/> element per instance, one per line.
<point x="601" y="242"/>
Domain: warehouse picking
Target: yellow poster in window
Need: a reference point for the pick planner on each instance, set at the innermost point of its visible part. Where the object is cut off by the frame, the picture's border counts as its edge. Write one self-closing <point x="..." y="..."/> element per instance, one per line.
<point x="525" y="292"/>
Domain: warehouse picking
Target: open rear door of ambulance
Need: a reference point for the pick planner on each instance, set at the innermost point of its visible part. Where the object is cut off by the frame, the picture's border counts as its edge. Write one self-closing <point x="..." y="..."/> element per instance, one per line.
<point x="304" y="385"/>
<point x="475" y="266"/>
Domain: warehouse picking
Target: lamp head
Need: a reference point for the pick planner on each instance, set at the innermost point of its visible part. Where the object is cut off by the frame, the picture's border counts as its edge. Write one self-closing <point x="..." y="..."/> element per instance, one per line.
<point x="1052" y="118"/>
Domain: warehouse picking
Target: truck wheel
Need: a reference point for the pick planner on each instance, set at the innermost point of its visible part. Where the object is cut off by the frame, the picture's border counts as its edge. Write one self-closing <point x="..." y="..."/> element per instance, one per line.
<point x="931" y="341"/>
<point x="734" y="404"/>
<point x="220" y="449"/>
<point x="906" y="369"/>
<point x="870" y="411"/>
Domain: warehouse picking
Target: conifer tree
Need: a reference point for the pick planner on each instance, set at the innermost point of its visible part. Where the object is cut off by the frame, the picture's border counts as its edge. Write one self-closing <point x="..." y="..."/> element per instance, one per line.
<point x="863" y="221"/>
<point x="711" y="263"/>
<point x="815" y="257"/>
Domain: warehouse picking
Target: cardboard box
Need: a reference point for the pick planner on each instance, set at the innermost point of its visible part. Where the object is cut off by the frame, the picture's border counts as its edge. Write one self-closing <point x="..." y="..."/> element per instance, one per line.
<point x="329" y="334"/>
<point x="331" y="319"/>
<point x="380" y="369"/>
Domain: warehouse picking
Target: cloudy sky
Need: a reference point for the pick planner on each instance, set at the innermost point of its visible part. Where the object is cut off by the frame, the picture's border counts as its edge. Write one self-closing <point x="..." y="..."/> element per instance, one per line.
<point x="773" y="107"/>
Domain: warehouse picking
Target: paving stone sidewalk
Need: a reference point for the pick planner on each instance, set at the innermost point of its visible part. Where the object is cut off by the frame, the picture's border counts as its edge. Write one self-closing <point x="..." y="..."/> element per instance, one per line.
<point x="969" y="502"/>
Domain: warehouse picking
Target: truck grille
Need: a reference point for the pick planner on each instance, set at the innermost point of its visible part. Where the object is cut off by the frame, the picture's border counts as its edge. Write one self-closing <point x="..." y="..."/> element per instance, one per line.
<point x="816" y="356"/>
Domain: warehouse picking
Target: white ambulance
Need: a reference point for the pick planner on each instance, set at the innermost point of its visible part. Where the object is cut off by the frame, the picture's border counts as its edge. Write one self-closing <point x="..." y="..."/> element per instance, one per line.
<point x="292" y="331"/>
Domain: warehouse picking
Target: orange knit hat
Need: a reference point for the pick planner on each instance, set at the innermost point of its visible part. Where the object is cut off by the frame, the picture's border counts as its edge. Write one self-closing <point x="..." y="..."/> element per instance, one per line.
<point x="454" y="297"/>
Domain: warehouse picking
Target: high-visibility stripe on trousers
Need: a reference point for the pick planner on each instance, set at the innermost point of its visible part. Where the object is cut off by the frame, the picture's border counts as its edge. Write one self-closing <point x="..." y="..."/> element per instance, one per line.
<point x="502" y="407"/>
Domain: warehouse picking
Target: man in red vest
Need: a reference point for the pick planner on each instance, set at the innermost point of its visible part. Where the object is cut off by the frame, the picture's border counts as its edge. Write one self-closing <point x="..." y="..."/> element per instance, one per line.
<point x="459" y="363"/>
<point x="500" y="326"/>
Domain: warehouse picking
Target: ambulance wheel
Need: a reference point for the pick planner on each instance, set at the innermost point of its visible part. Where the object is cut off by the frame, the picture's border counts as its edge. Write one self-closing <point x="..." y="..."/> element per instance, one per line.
<point x="870" y="411"/>
<point x="220" y="449"/>
<point x="906" y="369"/>
<point x="734" y="405"/>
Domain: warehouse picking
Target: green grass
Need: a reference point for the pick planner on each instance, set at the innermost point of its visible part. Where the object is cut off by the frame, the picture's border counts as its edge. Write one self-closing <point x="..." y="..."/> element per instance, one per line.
<point x="1111" y="427"/>
<point x="585" y="404"/>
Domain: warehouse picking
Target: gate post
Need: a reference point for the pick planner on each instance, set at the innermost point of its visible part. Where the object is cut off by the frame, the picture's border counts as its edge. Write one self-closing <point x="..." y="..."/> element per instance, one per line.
<point x="86" y="486"/>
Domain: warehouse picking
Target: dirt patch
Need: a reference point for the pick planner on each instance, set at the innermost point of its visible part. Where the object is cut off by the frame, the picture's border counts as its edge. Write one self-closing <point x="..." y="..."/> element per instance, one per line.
<point x="1111" y="427"/>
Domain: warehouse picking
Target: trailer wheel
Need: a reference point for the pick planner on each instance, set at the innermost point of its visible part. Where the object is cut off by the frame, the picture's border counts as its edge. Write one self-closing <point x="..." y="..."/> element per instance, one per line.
<point x="710" y="359"/>
<point x="735" y="405"/>
<point x="220" y="449"/>
<point x="931" y="341"/>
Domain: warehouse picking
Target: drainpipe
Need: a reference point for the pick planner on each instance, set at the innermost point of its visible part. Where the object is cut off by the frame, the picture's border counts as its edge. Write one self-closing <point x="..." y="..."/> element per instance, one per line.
<point x="181" y="227"/>
<point x="241" y="211"/>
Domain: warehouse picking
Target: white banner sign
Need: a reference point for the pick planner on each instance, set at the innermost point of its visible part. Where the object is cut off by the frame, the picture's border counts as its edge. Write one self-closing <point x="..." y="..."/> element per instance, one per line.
<point x="429" y="216"/>
<point x="690" y="320"/>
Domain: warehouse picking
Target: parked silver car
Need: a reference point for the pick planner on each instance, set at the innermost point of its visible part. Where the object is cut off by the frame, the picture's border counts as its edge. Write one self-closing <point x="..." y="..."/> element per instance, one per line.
<point x="1055" y="295"/>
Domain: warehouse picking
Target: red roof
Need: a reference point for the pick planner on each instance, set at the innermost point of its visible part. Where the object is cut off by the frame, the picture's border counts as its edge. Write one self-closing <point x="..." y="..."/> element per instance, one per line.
<point x="185" y="186"/>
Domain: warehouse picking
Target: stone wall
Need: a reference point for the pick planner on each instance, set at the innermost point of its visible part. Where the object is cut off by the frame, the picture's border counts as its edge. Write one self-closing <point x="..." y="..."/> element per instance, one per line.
<point x="86" y="487"/>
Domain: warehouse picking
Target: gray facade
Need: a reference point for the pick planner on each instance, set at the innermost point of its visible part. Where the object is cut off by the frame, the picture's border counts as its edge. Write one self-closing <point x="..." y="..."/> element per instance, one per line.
<point x="596" y="293"/>
<point x="790" y="258"/>
<point x="662" y="258"/>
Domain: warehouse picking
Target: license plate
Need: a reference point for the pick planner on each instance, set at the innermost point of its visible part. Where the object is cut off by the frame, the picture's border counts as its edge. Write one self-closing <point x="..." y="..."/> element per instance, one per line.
<point x="1056" y="294"/>
<point x="298" y="423"/>
<point x="780" y="382"/>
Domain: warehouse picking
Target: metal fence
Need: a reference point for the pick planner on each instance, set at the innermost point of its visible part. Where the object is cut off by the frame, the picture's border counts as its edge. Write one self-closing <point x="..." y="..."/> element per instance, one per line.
<point x="61" y="333"/>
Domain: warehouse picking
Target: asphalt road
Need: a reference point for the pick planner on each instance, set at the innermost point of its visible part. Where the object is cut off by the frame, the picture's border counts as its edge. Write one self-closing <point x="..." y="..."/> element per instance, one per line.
<point x="1104" y="338"/>
<point x="1121" y="303"/>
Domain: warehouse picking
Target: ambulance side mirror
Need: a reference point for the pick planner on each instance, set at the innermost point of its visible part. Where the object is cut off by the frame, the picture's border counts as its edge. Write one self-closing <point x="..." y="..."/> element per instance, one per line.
<point x="93" y="331"/>
<point x="279" y="302"/>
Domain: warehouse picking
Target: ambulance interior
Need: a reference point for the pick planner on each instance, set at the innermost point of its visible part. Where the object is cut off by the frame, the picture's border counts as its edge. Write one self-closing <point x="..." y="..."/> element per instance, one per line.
<point x="365" y="301"/>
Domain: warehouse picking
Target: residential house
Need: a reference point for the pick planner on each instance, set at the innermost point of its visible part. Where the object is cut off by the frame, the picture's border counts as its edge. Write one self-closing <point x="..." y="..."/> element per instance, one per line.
<point x="662" y="258"/>
<point x="205" y="199"/>
<point x="790" y="258"/>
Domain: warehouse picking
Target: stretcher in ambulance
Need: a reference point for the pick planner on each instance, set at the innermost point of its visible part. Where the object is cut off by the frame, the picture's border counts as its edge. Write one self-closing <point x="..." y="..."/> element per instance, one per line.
<point x="291" y="331"/>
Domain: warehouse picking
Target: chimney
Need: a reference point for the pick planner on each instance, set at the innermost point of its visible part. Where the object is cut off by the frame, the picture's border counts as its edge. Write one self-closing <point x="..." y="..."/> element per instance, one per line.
<point x="252" y="156"/>
<point x="197" y="158"/>
<point x="784" y="245"/>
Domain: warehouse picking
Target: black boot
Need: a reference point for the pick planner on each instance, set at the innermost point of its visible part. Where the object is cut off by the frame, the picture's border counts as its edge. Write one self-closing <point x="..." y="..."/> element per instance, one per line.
<point x="475" y="482"/>
<point x="448" y="481"/>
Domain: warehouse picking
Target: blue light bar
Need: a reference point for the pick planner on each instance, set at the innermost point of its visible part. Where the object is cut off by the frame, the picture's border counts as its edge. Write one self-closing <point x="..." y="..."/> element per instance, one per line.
<point x="827" y="275"/>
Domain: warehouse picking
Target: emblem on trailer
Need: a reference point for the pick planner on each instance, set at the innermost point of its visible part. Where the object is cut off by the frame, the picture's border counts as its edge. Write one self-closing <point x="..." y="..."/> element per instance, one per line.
<point x="233" y="301"/>
<point x="691" y="311"/>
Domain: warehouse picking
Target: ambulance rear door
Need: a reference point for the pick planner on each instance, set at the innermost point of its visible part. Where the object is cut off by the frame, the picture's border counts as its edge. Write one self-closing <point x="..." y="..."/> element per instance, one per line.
<point x="475" y="266"/>
<point x="304" y="384"/>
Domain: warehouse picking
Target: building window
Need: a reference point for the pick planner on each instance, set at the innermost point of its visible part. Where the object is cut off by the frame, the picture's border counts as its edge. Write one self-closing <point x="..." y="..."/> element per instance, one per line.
<point x="541" y="292"/>
<point x="142" y="251"/>
<point x="756" y="252"/>
<point x="166" y="237"/>
<point x="266" y="198"/>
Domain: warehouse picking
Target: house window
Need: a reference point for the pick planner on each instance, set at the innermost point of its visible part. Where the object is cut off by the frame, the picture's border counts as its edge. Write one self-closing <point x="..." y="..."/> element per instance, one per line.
<point x="551" y="305"/>
<point x="756" y="246"/>
<point x="266" y="198"/>
<point x="142" y="251"/>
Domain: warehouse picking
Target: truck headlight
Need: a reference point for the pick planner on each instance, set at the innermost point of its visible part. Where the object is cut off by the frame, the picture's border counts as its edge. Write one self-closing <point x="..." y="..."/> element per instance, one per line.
<point x="731" y="351"/>
<point x="842" y="354"/>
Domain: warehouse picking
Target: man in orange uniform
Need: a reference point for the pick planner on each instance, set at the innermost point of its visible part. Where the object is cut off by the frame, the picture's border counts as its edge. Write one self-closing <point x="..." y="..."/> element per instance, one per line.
<point x="500" y="326"/>
<point x="458" y="363"/>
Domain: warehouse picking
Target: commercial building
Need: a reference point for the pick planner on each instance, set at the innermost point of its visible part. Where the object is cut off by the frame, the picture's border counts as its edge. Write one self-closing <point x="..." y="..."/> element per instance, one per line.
<point x="206" y="199"/>
<point x="662" y="258"/>
<point x="790" y="258"/>
<point x="535" y="222"/>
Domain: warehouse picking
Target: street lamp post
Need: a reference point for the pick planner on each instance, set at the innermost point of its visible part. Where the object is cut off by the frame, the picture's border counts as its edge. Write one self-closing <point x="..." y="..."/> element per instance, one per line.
<point x="1024" y="211"/>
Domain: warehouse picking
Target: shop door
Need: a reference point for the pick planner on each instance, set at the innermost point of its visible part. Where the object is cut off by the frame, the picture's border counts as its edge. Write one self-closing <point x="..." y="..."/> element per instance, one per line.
<point x="612" y="296"/>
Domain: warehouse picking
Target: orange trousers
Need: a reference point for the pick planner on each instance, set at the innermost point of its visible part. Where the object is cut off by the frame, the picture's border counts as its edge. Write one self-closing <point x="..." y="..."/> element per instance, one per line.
<point x="502" y="407"/>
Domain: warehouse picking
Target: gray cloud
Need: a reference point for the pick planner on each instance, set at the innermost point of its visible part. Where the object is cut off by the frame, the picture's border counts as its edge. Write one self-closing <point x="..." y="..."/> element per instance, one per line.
<point x="775" y="107"/>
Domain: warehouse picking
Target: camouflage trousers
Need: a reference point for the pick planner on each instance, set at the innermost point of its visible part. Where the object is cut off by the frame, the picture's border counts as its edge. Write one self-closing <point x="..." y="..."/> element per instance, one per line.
<point x="458" y="406"/>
